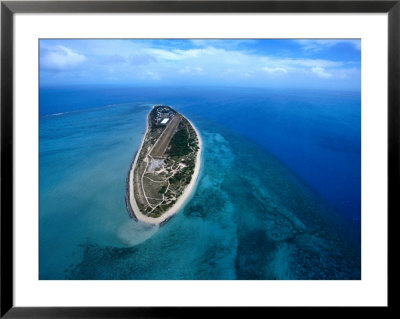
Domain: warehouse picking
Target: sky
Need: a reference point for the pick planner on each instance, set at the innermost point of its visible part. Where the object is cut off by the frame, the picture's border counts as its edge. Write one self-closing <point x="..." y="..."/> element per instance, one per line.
<point x="268" y="63"/>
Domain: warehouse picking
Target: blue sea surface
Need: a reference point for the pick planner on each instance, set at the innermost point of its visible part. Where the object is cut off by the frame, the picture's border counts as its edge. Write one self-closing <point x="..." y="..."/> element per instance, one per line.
<point x="278" y="196"/>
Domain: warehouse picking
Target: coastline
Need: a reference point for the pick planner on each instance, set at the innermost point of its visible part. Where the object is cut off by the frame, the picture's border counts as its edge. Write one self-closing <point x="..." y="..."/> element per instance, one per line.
<point x="134" y="209"/>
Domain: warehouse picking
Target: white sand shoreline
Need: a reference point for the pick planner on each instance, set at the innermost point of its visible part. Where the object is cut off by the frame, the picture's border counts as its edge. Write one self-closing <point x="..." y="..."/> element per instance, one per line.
<point x="181" y="200"/>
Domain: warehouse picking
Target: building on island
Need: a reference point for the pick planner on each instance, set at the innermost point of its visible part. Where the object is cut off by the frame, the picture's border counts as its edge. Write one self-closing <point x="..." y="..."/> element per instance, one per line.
<point x="165" y="120"/>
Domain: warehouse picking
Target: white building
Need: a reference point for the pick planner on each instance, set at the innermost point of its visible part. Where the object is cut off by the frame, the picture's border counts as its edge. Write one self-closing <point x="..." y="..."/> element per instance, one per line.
<point x="165" y="121"/>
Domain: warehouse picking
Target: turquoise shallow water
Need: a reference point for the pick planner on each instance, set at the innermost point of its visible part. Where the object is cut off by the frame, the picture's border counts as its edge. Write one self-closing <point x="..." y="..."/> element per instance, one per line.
<point x="250" y="217"/>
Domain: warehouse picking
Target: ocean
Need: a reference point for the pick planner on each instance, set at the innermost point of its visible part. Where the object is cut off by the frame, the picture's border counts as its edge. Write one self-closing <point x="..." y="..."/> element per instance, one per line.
<point x="278" y="196"/>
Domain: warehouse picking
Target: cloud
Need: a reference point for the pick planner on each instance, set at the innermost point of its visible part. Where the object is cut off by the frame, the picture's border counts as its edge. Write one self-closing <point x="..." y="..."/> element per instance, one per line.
<point x="290" y="62"/>
<point x="347" y="73"/>
<point x="164" y="54"/>
<point x="182" y="62"/>
<point x="60" y="58"/>
<point x="152" y="75"/>
<point x="274" y="70"/>
<point x="321" y="72"/>
<point x="191" y="70"/>
<point x="180" y="54"/>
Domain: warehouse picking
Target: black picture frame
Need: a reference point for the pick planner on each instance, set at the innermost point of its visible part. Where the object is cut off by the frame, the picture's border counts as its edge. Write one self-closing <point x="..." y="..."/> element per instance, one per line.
<point x="9" y="8"/>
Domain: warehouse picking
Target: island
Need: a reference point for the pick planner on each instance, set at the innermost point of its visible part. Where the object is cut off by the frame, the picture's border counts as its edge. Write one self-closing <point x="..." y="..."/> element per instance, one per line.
<point x="165" y="169"/>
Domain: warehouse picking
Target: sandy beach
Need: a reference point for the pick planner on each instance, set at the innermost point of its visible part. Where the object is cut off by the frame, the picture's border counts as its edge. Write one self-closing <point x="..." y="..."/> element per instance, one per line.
<point x="181" y="200"/>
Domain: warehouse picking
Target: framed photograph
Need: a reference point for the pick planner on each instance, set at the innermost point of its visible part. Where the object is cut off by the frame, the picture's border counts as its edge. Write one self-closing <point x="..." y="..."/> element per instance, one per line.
<point x="162" y="156"/>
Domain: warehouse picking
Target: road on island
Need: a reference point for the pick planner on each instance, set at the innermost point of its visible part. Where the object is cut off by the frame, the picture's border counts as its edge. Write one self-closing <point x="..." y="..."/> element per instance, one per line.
<point x="163" y="141"/>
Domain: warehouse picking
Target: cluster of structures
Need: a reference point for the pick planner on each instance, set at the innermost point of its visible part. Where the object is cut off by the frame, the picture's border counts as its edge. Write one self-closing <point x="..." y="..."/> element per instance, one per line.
<point x="164" y="114"/>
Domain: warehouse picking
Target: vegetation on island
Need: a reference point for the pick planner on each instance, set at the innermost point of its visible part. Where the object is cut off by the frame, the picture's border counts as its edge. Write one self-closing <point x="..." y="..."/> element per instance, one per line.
<point x="166" y="161"/>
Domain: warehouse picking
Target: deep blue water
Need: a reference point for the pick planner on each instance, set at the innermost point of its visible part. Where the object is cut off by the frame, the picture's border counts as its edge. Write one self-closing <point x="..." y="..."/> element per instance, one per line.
<point x="279" y="194"/>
